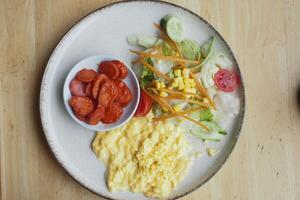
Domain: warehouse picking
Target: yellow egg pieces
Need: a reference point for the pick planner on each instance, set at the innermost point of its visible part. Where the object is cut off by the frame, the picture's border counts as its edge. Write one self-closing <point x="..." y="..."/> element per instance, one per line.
<point x="144" y="157"/>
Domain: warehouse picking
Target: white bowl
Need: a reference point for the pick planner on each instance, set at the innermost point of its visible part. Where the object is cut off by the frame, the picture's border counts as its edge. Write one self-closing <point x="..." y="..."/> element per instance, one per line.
<point x="131" y="81"/>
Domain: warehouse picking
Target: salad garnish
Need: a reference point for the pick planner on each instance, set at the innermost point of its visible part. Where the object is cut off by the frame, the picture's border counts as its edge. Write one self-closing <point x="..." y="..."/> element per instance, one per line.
<point x="182" y="78"/>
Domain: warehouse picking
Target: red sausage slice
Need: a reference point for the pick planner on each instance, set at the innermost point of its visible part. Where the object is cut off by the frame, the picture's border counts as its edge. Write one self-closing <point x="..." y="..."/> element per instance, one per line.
<point x="125" y="95"/>
<point x="110" y="69"/>
<point x="95" y="116"/>
<point x="86" y="75"/>
<point x="88" y="89"/>
<point x="112" y="113"/>
<point x="108" y="93"/>
<point x="81" y="106"/>
<point x="77" y="88"/>
<point x="122" y="68"/>
<point x="79" y="117"/>
<point x="97" y="84"/>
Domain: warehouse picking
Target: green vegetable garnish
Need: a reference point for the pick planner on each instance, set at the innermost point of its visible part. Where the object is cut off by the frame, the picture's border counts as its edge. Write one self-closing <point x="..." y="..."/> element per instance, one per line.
<point x="167" y="50"/>
<point x="208" y="49"/>
<point x="190" y="49"/>
<point x="216" y="134"/>
<point x="203" y="115"/>
<point x="146" y="75"/>
<point x="173" y="26"/>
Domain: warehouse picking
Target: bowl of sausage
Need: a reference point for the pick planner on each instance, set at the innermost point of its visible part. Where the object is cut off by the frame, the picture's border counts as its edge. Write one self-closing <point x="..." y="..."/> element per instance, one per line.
<point x="101" y="92"/>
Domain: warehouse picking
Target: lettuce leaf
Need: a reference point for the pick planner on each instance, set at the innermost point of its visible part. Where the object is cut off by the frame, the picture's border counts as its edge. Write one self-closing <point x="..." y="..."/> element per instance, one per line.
<point x="203" y="115"/>
<point x="190" y="49"/>
<point x="143" y="40"/>
<point x="216" y="134"/>
<point x="146" y="75"/>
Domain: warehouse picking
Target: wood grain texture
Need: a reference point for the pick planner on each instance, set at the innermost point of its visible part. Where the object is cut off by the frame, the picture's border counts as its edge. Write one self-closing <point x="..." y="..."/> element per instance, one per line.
<point x="265" y="38"/>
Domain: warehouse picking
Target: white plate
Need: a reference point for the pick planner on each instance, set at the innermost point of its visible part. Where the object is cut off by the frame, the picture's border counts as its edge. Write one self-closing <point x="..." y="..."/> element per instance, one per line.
<point x="131" y="81"/>
<point x="104" y="32"/>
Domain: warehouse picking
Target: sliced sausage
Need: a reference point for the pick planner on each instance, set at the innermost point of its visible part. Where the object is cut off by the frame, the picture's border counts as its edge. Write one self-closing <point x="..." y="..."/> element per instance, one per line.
<point x="122" y="68"/>
<point x="88" y="89"/>
<point x="96" y="116"/>
<point x="97" y="84"/>
<point x="86" y="75"/>
<point x="80" y="118"/>
<point x="112" y="113"/>
<point x="125" y="95"/>
<point x="109" y="92"/>
<point x="110" y="69"/>
<point x="77" y="88"/>
<point x="81" y="106"/>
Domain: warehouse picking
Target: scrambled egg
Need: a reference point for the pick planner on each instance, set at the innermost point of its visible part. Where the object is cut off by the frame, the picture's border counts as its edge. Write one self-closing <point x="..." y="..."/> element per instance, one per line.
<point x="143" y="156"/>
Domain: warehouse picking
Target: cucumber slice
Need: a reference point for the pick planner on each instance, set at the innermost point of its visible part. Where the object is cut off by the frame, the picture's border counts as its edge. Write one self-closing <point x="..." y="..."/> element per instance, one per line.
<point x="173" y="26"/>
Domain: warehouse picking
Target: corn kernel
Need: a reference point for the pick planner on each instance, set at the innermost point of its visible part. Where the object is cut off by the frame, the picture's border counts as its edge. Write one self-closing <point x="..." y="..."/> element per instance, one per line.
<point x="180" y="86"/>
<point x="180" y="79"/>
<point x="177" y="107"/>
<point x="175" y="84"/>
<point x="162" y="85"/>
<point x="193" y="90"/>
<point x="163" y="94"/>
<point x="170" y="87"/>
<point x="186" y="72"/>
<point x="164" y="109"/>
<point x="193" y="84"/>
<point x="186" y="80"/>
<point x="177" y="72"/>
<point x="205" y="100"/>
<point x="186" y="89"/>
<point x="157" y="84"/>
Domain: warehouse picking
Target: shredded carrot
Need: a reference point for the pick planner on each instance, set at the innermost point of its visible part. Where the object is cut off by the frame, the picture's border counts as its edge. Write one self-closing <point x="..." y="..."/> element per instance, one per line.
<point x="150" y="50"/>
<point x="197" y="102"/>
<point x="157" y="72"/>
<point x="162" y="57"/>
<point x="177" y="67"/>
<point x="135" y="61"/>
<point x="169" y="108"/>
<point x="162" y="103"/>
<point x="164" y="117"/>
<point x="170" y="42"/>
<point x="158" y="99"/>
<point x="174" y="97"/>
<point x="165" y="36"/>
<point x="189" y="100"/>
<point x="202" y="90"/>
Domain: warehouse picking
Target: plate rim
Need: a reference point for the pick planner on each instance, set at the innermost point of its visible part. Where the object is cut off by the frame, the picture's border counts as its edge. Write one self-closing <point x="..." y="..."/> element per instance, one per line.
<point x="44" y="84"/>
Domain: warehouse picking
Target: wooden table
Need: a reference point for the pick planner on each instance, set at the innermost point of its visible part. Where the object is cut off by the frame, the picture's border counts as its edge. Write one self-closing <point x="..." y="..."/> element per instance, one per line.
<point x="264" y="34"/>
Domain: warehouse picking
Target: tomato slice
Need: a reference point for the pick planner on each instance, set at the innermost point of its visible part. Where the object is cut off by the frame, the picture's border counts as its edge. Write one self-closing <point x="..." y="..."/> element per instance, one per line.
<point x="144" y="106"/>
<point x="226" y="80"/>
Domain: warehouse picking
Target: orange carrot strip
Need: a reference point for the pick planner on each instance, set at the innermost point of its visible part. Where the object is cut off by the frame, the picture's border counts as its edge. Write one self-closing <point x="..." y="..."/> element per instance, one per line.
<point x="162" y="57"/>
<point x="202" y="90"/>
